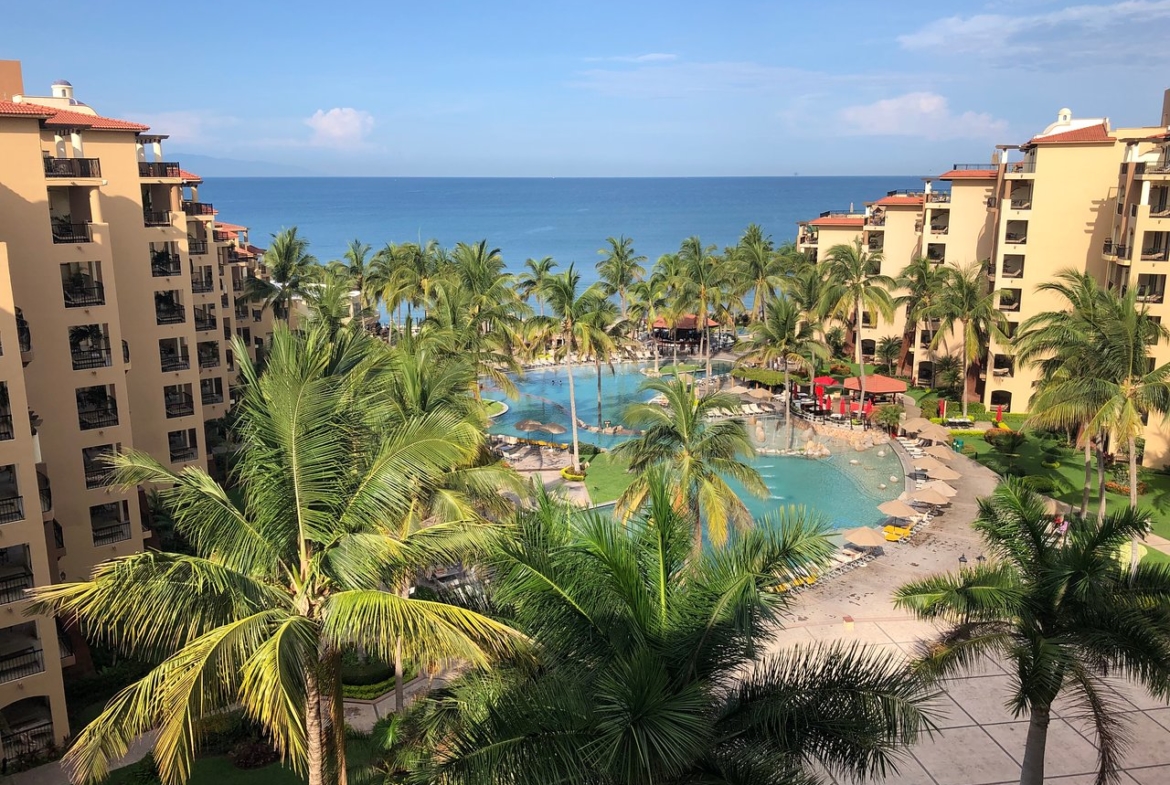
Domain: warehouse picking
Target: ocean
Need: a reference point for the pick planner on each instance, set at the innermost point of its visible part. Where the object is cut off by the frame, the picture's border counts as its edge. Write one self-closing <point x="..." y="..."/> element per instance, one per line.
<point x="565" y="218"/>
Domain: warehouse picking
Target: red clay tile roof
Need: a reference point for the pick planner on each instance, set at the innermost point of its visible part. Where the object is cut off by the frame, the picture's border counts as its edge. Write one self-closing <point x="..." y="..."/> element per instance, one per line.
<point x="229" y="227"/>
<point x="899" y="200"/>
<point x="839" y="220"/>
<point x="970" y="174"/>
<point x="59" y="118"/>
<point x="189" y="176"/>
<point x="255" y="250"/>
<point x="1094" y="133"/>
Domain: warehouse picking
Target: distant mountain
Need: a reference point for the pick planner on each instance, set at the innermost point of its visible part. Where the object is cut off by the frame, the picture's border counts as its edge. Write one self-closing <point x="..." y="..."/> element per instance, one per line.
<point x="209" y="166"/>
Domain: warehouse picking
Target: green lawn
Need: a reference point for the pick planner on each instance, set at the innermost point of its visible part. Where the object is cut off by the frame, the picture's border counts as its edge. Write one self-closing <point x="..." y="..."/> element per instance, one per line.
<point x="218" y="770"/>
<point x="670" y="370"/>
<point x="607" y="477"/>
<point x="1070" y="478"/>
<point x="494" y="408"/>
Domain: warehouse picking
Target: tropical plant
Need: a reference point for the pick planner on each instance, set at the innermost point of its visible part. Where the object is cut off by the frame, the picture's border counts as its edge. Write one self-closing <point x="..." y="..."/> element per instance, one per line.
<point x="700" y="452"/>
<point x="289" y="570"/>
<point x="700" y="278"/>
<point x="856" y="285"/>
<point x="888" y="351"/>
<point x="292" y="271"/>
<point x="1058" y="610"/>
<point x="604" y="340"/>
<point x="784" y="339"/>
<point x="921" y="282"/>
<point x="620" y="269"/>
<point x="965" y="303"/>
<point x="652" y="667"/>
<point x="647" y="302"/>
<point x="888" y="416"/>
<point x="355" y="266"/>
<point x="758" y="268"/>
<point x="530" y="282"/>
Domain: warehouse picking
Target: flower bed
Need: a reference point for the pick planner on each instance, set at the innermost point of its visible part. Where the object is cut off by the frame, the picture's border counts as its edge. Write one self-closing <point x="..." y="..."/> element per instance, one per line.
<point x="571" y="476"/>
<point x="1116" y="487"/>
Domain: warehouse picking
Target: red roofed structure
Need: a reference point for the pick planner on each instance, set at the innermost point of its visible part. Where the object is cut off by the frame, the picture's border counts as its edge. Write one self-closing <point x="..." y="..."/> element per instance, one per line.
<point x="1093" y="134"/>
<point x="839" y="220"/>
<point x="971" y="174"/>
<point x="189" y="177"/>
<point x="60" y="118"/>
<point x="900" y="200"/>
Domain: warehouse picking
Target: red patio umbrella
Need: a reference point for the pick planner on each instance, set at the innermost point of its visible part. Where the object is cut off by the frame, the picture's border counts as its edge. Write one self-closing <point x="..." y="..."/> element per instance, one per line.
<point x="827" y="381"/>
<point x="942" y="408"/>
<point x="820" y="391"/>
<point x="842" y="404"/>
<point x="868" y="407"/>
<point x="999" y="413"/>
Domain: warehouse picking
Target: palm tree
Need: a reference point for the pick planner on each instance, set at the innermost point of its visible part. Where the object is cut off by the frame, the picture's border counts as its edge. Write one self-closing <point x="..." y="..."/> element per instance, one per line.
<point x="921" y="281"/>
<point x="700" y="279"/>
<point x="620" y="269"/>
<point x="856" y="285"/>
<point x="604" y="339"/>
<point x="887" y="352"/>
<point x="572" y="308"/>
<point x="699" y="452"/>
<point x="288" y="570"/>
<point x="652" y="669"/>
<point x="783" y="338"/>
<point x="1061" y="613"/>
<point x="966" y="303"/>
<point x="355" y="267"/>
<point x="418" y="270"/>
<point x="809" y="291"/>
<point x="328" y="300"/>
<point x="648" y="302"/>
<point x="758" y="267"/>
<point x="536" y="272"/>
<point x="292" y="271"/>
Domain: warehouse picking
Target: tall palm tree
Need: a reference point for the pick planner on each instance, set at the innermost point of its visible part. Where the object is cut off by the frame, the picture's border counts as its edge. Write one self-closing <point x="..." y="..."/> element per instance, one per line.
<point x="604" y="340"/>
<point x="1061" y="613"/>
<point x="355" y="265"/>
<point x="887" y="352"/>
<point x="651" y="665"/>
<point x="700" y="279"/>
<point x="921" y="282"/>
<point x="782" y="337"/>
<point x="289" y="569"/>
<point x="620" y="269"/>
<point x="292" y="271"/>
<point x="966" y="303"/>
<point x="648" y="301"/>
<point x="419" y="269"/>
<point x="536" y="272"/>
<point x="758" y="268"/>
<point x="809" y="291"/>
<point x="699" y="452"/>
<point x="572" y="307"/>
<point x="856" y="285"/>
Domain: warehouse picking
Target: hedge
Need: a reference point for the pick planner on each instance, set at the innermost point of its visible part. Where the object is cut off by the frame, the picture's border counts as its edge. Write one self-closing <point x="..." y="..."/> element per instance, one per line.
<point x="764" y="376"/>
<point x="378" y="689"/>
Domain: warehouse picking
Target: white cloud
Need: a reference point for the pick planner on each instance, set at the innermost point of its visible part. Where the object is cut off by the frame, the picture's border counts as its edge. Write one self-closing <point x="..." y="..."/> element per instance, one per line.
<point x="922" y="114"/>
<point x="340" y="127"/>
<point x="651" y="57"/>
<point x="188" y="127"/>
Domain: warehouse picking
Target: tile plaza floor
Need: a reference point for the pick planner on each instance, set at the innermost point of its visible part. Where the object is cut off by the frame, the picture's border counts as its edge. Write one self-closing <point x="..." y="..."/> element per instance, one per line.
<point x="980" y="743"/>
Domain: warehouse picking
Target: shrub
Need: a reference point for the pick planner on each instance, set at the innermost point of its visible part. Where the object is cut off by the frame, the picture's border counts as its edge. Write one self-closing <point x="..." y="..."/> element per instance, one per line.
<point x="371" y="692"/>
<point x="588" y="450"/>
<point x="1050" y="464"/>
<point x="888" y="415"/>
<point x="1040" y="484"/>
<point x="996" y="436"/>
<point x="764" y="376"/>
<point x="967" y="433"/>
<point x="840" y="369"/>
<point x="1116" y="487"/>
<point x="571" y="476"/>
<point x="357" y="670"/>
<point x="253" y="754"/>
<point x="222" y="732"/>
<point x="144" y="772"/>
<point x="969" y="451"/>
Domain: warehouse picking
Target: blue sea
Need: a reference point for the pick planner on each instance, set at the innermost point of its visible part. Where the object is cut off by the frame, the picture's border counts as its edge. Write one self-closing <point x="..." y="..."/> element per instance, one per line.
<point x="566" y="218"/>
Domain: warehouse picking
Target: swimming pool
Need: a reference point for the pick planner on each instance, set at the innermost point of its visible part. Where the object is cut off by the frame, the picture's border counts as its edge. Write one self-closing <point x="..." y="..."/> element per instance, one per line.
<point x="845" y="488"/>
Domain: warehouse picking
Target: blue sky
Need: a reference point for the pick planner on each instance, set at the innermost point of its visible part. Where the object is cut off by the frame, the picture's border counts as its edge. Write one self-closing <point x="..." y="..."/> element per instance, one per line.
<point x="600" y="88"/>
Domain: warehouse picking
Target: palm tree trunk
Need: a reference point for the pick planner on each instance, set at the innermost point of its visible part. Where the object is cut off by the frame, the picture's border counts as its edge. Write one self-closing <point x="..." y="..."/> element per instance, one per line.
<point x="572" y="406"/>
<point x="860" y="359"/>
<point x="314" y="735"/>
<point x="963" y="375"/>
<point x="697" y="534"/>
<point x="598" y="363"/>
<point x="759" y="301"/>
<point x="1131" y="443"/>
<point x="788" y="406"/>
<point x="399" y="669"/>
<point x="707" y="349"/>
<point x="1100" y="479"/>
<point x="1088" y="477"/>
<point x="655" y="342"/>
<point x="1032" y="772"/>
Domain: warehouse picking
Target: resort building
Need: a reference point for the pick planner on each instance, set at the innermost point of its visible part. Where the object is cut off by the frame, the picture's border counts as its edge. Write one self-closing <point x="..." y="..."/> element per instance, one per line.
<point x="114" y="320"/>
<point x="1079" y="195"/>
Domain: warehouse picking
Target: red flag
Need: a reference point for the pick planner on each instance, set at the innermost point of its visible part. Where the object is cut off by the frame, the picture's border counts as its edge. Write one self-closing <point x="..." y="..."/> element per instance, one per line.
<point x="942" y="408"/>
<point x="999" y="413"/>
<point x="820" y="391"/>
<point x="842" y="404"/>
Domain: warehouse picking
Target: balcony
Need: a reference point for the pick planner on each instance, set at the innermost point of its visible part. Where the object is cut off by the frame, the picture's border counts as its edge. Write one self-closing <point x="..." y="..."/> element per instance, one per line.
<point x="876" y="219"/>
<point x="1159" y="168"/>
<point x="211" y="397"/>
<point x="11" y="509"/>
<point x="84" y="295"/>
<point x="940" y="228"/>
<point x="13" y="583"/>
<point x="73" y="167"/>
<point x="179" y="405"/>
<point x="89" y="357"/>
<point x="1013" y="266"/>
<point x="936" y="253"/>
<point x="156" y="217"/>
<point x="99" y="415"/>
<point x="257" y="314"/>
<point x="204" y="322"/>
<point x="96" y="475"/>
<point x="158" y="169"/>
<point x="65" y="233"/>
<point x="125" y="352"/>
<point x="22" y="663"/>
<point x="220" y="236"/>
<point x="174" y="314"/>
<point x="197" y="247"/>
<point x="209" y="360"/>
<point x="6" y="431"/>
<point x="1009" y="300"/>
<point x="23" y="336"/>
<point x="164" y="265"/>
<point x="242" y="311"/>
<point x="184" y="453"/>
<point x="202" y="285"/>
<point x="1021" y="167"/>
<point x="175" y="362"/>
<point x="46" y="492"/>
<point x="110" y="533"/>
<point x="198" y="208"/>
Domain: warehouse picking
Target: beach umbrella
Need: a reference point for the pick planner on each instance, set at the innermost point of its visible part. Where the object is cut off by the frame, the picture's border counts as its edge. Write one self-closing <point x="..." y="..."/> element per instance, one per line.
<point x="941" y="487"/>
<point x="865" y="537"/>
<point x="999" y="413"/>
<point x="916" y="424"/>
<point x="926" y="462"/>
<point x="826" y="381"/>
<point x="529" y="425"/>
<point x="738" y="389"/>
<point x="842" y="404"/>
<point x="942" y="408"/>
<point x="554" y="428"/>
<point x="760" y="393"/>
<point x="940" y="452"/>
<point x="943" y="473"/>
<point x="936" y="433"/>
<point x="929" y="496"/>
<point x="898" y="509"/>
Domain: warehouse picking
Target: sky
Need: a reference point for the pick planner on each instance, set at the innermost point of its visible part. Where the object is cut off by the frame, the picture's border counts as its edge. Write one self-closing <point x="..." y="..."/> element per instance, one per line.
<point x="600" y="88"/>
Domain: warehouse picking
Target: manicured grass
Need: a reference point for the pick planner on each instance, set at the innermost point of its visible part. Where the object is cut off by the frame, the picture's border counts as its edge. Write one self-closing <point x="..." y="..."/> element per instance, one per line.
<point x="493" y="408"/>
<point x="219" y="770"/>
<point x="670" y="370"/>
<point x="1069" y="478"/>
<point x="607" y="477"/>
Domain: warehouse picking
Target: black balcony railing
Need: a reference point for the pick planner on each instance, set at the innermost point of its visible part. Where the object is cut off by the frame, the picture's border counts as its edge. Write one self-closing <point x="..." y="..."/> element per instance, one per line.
<point x="974" y="167"/>
<point x="203" y="322"/>
<point x="179" y="405"/>
<point x="156" y="217"/>
<point x="158" y="169"/>
<point x="73" y="167"/>
<point x="99" y="416"/>
<point x="46" y="492"/>
<point x="257" y="314"/>
<point x="165" y="264"/>
<point x="11" y="509"/>
<point x="23" y="334"/>
<point x="184" y="453"/>
<point x="125" y="352"/>
<point x="84" y="295"/>
<point x="220" y="236"/>
<point x="58" y="537"/>
<point x="92" y="357"/>
<point x="211" y="397"/>
<point x="96" y="476"/>
<point x="12" y="588"/>
<point x="71" y="233"/>
<point x="29" y="741"/>
<point x="176" y="362"/>
<point x="197" y="247"/>
<point x="6" y="431"/>
<point x="202" y="285"/>
<point x="241" y="312"/>
<point x="170" y="315"/>
<point x="20" y="664"/>
<point x="198" y="208"/>
<point x="1022" y="167"/>
<point x="209" y="360"/>
<point x="109" y="533"/>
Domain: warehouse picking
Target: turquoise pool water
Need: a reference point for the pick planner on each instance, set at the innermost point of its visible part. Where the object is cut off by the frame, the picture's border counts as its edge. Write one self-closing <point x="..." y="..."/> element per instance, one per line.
<point x="845" y="488"/>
